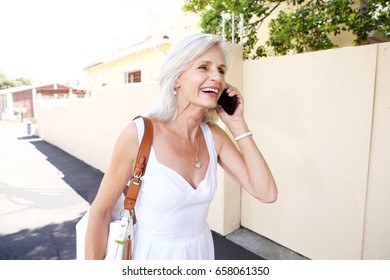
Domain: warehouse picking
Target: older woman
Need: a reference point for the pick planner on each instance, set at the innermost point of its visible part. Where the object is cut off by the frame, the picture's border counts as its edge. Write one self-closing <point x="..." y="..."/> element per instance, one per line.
<point x="181" y="177"/>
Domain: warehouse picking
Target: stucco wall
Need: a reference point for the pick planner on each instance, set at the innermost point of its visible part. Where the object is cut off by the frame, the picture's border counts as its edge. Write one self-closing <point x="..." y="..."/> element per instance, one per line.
<point x="376" y="242"/>
<point x="312" y="116"/>
<point x="88" y="128"/>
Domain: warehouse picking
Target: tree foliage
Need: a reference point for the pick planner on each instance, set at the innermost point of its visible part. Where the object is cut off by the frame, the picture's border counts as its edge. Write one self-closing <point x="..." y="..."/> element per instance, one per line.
<point x="6" y="82"/>
<point x="307" y="26"/>
<point x="254" y="14"/>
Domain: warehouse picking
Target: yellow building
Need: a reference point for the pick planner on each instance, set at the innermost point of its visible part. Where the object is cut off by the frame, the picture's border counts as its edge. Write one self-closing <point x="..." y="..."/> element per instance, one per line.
<point x="137" y="63"/>
<point x="140" y="62"/>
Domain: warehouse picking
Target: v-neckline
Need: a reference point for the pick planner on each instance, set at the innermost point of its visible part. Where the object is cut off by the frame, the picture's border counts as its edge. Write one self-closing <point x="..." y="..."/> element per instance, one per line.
<point x="194" y="188"/>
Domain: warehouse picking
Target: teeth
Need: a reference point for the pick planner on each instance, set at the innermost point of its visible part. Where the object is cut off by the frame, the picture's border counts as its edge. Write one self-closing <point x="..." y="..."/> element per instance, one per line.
<point x="210" y="90"/>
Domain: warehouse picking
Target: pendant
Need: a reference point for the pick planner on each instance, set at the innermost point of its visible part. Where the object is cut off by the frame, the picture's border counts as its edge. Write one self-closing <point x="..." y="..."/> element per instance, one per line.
<point x="198" y="164"/>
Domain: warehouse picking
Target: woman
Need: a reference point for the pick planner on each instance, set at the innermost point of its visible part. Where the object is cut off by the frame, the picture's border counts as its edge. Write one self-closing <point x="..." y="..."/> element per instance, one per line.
<point x="180" y="179"/>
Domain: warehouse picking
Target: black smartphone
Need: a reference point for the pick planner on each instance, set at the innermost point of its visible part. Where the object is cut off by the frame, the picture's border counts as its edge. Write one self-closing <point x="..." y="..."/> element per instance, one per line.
<point x="228" y="103"/>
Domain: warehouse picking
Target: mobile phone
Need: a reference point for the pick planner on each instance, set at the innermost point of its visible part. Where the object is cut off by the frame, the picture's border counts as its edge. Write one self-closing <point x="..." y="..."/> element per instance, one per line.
<point x="228" y="103"/>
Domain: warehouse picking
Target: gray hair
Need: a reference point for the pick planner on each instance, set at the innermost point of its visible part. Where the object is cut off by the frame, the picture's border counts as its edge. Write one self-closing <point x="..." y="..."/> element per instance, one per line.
<point x="178" y="59"/>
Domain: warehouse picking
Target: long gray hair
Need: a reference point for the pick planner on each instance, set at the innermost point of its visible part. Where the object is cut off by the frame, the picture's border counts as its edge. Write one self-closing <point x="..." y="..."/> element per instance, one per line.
<point x="178" y="59"/>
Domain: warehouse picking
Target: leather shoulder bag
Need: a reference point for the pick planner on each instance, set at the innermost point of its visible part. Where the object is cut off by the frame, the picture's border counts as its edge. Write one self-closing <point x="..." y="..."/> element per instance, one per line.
<point x="120" y="236"/>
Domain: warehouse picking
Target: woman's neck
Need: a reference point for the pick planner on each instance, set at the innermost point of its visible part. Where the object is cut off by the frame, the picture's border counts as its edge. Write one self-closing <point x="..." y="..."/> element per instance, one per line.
<point x="188" y="123"/>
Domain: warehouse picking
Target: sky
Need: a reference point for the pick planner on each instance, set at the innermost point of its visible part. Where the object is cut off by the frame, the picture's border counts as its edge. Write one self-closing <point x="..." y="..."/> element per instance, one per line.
<point x="54" y="40"/>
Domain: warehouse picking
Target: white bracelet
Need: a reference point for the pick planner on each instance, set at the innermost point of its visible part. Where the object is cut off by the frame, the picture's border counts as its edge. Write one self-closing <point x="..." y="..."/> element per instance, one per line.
<point x="239" y="137"/>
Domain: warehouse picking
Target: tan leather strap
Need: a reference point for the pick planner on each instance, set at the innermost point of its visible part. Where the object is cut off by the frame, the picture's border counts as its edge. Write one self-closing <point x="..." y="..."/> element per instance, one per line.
<point x="134" y="185"/>
<point x="128" y="255"/>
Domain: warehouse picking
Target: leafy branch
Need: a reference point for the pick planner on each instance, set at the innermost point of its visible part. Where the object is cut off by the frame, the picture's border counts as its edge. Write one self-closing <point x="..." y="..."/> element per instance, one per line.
<point x="307" y="27"/>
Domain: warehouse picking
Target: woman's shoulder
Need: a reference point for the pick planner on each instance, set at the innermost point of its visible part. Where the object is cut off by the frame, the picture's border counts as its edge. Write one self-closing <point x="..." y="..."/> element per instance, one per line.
<point x="216" y="129"/>
<point x="135" y="129"/>
<point x="129" y="134"/>
<point x="219" y="135"/>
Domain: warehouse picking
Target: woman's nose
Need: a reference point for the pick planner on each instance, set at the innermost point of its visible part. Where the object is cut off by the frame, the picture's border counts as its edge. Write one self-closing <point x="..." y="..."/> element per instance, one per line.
<point x="216" y="75"/>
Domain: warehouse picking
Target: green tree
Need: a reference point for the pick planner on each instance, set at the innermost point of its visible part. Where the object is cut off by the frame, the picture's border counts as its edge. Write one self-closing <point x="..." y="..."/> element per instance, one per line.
<point x="309" y="26"/>
<point x="306" y="28"/>
<point x="372" y="15"/>
<point x="6" y="82"/>
<point x="254" y="14"/>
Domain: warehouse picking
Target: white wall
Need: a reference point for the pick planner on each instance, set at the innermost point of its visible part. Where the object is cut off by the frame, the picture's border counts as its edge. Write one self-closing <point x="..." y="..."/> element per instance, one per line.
<point x="376" y="243"/>
<point x="88" y="128"/>
<point x="312" y="117"/>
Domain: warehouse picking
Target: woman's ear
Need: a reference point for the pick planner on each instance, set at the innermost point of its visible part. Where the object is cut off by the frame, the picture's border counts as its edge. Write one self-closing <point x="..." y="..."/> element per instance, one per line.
<point x="177" y="86"/>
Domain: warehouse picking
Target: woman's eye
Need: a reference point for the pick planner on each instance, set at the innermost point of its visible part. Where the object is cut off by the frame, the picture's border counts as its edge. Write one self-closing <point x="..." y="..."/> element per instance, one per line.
<point x="221" y="71"/>
<point x="203" y="67"/>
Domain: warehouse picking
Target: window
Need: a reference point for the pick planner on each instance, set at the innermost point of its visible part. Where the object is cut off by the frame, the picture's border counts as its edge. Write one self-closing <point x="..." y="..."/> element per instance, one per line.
<point x="133" y="77"/>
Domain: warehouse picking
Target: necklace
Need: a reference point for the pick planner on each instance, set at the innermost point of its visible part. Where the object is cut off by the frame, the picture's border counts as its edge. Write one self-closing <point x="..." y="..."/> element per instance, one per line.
<point x="197" y="163"/>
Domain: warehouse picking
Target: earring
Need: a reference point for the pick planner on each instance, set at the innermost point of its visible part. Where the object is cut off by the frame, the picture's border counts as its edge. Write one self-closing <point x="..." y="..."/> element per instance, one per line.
<point x="174" y="92"/>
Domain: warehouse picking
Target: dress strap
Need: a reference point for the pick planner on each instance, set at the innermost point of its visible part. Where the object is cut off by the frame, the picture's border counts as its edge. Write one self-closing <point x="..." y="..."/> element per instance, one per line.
<point x="140" y="129"/>
<point x="209" y="142"/>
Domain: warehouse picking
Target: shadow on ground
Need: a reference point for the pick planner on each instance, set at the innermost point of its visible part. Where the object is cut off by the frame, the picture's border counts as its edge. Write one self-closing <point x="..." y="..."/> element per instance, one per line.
<point x="52" y="242"/>
<point x="84" y="179"/>
<point x="58" y="241"/>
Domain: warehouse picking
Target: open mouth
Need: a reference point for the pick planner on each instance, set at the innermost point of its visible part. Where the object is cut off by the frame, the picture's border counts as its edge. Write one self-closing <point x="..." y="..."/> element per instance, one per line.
<point x="210" y="90"/>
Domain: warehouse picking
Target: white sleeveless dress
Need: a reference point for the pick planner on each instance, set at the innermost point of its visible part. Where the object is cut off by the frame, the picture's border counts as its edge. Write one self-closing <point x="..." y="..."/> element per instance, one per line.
<point x="171" y="214"/>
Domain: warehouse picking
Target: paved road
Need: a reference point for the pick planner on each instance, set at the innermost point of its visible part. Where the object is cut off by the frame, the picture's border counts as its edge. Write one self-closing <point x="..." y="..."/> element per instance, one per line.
<point x="43" y="193"/>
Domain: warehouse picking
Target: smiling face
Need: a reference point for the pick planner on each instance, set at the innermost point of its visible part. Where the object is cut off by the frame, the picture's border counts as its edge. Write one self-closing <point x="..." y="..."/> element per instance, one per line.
<point x="203" y="81"/>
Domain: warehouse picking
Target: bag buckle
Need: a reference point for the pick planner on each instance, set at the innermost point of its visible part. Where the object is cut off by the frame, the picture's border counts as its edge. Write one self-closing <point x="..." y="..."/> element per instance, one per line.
<point x="136" y="179"/>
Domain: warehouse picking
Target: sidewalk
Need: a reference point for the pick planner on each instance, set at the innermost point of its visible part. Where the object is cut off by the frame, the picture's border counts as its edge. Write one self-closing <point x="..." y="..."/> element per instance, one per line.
<point x="44" y="191"/>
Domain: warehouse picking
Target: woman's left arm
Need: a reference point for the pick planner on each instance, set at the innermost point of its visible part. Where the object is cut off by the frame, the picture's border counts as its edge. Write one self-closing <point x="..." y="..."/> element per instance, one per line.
<point x="245" y="164"/>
